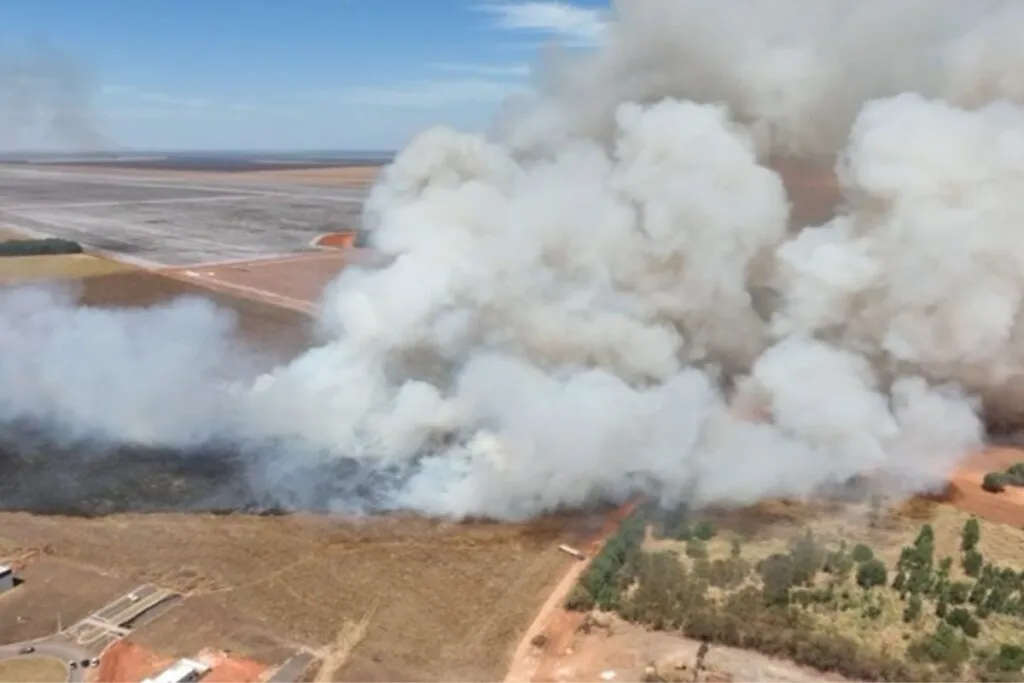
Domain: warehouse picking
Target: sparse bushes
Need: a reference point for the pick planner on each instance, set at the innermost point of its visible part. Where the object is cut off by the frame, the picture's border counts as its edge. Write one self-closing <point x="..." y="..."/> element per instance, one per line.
<point x="42" y="247"/>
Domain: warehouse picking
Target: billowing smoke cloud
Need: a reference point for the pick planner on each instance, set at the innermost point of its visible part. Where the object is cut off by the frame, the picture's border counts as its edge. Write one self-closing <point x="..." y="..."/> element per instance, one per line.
<point x="606" y="298"/>
<point x="46" y="99"/>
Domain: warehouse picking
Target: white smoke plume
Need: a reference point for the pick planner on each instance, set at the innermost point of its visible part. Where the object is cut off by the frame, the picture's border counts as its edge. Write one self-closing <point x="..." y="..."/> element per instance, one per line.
<point x="606" y="297"/>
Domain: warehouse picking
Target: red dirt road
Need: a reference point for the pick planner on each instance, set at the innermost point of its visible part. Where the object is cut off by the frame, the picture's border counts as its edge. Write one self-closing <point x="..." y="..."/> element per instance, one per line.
<point x="554" y="621"/>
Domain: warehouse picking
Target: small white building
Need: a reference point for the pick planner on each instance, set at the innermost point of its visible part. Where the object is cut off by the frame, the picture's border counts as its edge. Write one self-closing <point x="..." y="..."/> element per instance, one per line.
<point x="6" y="578"/>
<point x="182" y="671"/>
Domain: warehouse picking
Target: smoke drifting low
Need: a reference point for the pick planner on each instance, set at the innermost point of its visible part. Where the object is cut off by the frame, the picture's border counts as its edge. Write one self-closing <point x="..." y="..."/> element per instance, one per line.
<point x="45" y="99"/>
<point x="606" y="298"/>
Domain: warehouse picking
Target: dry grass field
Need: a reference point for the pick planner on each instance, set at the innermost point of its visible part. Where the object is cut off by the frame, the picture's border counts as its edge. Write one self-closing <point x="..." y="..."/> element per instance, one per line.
<point x="32" y="670"/>
<point x="441" y="601"/>
<point x="30" y="269"/>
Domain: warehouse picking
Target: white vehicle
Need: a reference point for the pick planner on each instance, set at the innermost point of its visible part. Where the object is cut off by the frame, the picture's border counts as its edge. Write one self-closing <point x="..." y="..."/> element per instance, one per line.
<point x="132" y="597"/>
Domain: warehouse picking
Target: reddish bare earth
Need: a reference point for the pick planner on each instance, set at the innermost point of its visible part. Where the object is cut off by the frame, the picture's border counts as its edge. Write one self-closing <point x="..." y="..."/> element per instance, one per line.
<point x="293" y="282"/>
<point x="125" y="661"/>
<point x="966" y="492"/>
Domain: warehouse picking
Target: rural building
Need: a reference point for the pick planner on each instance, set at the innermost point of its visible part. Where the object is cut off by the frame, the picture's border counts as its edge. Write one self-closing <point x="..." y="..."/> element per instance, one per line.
<point x="182" y="671"/>
<point x="6" y="578"/>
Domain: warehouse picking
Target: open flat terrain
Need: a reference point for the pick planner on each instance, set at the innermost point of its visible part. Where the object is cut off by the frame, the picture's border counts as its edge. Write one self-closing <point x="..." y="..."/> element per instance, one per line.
<point x="440" y="601"/>
<point x="153" y="219"/>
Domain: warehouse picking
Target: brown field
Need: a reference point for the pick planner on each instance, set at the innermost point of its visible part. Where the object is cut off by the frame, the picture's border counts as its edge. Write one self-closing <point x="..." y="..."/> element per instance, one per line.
<point x="272" y="329"/>
<point x="32" y="670"/>
<point x="442" y="601"/>
<point x="53" y="589"/>
<point x="358" y="176"/>
<point x="25" y="269"/>
<point x="293" y="282"/>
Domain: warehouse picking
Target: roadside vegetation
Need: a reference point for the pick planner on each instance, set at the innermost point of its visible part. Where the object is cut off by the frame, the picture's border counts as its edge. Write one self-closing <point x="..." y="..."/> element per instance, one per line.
<point x="825" y="603"/>
<point x="997" y="482"/>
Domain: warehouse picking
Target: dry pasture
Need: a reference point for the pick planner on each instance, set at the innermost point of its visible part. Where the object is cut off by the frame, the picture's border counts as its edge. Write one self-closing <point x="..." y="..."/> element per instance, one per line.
<point x="445" y="601"/>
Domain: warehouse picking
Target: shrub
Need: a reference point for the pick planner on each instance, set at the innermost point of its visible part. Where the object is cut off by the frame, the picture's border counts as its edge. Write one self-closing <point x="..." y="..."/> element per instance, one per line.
<point x="971" y="628"/>
<point x="862" y="553"/>
<point x="994" y="482"/>
<point x="959" y="591"/>
<point x="1009" y="658"/>
<point x="696" y="549"/>
<point x="872" y="573"/>
<point x="728" y="573"/>
<point x="735" y="550"/>
<point x="1014" y="475"/>
<point x="704" y="531"/>
<point x="971" y="535"/>
<point x="941" y="609"/>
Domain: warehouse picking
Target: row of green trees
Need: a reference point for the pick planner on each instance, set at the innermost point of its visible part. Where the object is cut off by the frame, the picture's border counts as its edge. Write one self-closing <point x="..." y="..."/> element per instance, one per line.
<point x="41" y="247"/>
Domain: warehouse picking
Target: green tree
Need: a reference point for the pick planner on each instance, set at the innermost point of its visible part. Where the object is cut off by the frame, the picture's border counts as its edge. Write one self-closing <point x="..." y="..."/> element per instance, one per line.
<point x="872" y="573"/>
<point x="862" y="553"/>
<point x="972" y="562"/>
<point x="735" y="550"/>
<point x="971" y="535"/>
<point x="777" y="577"/>
<point x="941" y="609"/>
<point x="913" y="609"/>
<point x="807" y="558"/>
<point x="959" y="591"/>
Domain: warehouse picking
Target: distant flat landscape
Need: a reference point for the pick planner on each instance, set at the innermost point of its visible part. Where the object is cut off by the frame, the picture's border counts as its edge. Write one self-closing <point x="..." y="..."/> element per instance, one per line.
<point x="210" y="162"/>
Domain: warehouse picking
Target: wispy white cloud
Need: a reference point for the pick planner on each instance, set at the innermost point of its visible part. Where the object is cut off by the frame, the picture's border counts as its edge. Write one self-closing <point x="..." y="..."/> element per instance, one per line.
<point x="140" y="95"/>
<point x="486" y="70"/>
<point x="571" y="23"/>
<point x="426" y="94"/>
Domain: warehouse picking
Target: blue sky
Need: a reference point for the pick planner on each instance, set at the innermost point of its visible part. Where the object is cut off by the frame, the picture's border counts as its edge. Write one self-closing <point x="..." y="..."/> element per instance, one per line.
<point x="295" y="74"/>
